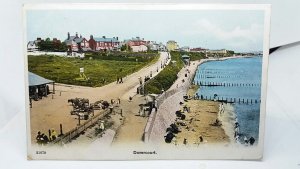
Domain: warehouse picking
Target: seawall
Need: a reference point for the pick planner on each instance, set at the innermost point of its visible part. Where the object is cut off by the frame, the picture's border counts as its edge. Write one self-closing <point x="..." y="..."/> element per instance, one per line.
<point x="159" y="121"/>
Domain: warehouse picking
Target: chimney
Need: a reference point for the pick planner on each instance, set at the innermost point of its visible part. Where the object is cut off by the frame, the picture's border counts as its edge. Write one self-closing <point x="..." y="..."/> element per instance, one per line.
<point x="68" y="35"/>
<point x="117" y="38"/>
<point x="80" y="36"/>
<point x="76" y="35"/>
<point x="91" y="37"/>
<point x="103" y="37"/>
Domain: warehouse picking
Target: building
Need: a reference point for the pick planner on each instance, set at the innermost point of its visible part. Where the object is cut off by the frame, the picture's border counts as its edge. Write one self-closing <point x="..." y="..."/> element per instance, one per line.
<point x="140" y="48"/>
<point x="137" y="44"/>
<point x="153" y="46"/>
<point x="186" y="59"/>
<point x="220" y="51"/>
<point x="172" y="45"/>
<point x="39" y="87"/>
<point x="76" y="43"/>
<point x="202" y="50"/>
<point x="162" y="47"/>
<point x="104" y="43"/>
<point x="185" y="49"/>
<point x="32" y="46"/>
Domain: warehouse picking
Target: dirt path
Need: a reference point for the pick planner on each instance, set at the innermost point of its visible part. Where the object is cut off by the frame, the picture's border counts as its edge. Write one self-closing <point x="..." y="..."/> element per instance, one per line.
<point x="133" y="127"/>
<point x="48" y="113"/>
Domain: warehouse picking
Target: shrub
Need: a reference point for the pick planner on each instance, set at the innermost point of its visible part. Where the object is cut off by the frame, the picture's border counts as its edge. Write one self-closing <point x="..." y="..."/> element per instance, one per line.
<point x="167" y="76"/>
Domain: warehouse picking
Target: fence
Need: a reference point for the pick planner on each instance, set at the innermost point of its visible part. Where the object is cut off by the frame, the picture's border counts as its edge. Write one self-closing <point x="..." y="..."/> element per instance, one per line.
<point x="79" y="129"/>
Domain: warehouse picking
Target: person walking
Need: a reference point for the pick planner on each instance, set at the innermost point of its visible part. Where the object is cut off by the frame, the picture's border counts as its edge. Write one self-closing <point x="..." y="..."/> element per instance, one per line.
<point x="53" y="134"/>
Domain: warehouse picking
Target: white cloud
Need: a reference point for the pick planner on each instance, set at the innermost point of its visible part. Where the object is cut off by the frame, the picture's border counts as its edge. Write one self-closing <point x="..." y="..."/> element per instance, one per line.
<point x="235" y="37"/>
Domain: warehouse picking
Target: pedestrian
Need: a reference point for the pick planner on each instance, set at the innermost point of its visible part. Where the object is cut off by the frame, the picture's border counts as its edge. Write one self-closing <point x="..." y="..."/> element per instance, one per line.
<point x="119" y="100"/>
<point x="121" y="113"/>
<point x="251" y="141"/>
<point x="45" y="139"/>
<point x="47" y="89"/>
<point x="39" y="138"/>
<point x="102" y="127"/>
<point x="117" y="80"/>
<point x="184" y="141"/>
<point x="111" y="107"/>
<point x="201" y="139"/>
<point x="53" y="134"/>
<point x="121" y="80"/>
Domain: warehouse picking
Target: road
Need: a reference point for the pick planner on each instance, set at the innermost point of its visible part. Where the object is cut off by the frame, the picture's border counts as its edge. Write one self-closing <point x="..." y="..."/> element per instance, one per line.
<point x="48" y="113"/>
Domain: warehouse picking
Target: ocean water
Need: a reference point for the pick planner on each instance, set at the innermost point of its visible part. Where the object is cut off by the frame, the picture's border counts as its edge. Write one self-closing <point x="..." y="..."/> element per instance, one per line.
<point x="236" y="80"/>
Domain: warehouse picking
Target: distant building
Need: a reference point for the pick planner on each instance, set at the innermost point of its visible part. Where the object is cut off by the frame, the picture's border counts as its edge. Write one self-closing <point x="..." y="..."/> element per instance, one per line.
<point x="153" y="46"/>
<point x="104" y="43"/>
<point x="172" y="45"/>
<point x="156" y="46"/>
<point x="140" y="48"/>
<point x="162" y="47"/>
<point x="76" y="43"/>
<point x="198" y="50"/>
<point x="220" y="51"/>
<point x="185" y="49"/>
<point x="137" y="44"/>
<point x="32" y="46"/>
<point x="186" y="59"/>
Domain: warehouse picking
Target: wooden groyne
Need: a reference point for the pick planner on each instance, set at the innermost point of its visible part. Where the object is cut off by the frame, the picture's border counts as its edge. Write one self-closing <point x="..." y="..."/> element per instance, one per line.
<point x="230" y="99"/>
<point x="205" y="83"/>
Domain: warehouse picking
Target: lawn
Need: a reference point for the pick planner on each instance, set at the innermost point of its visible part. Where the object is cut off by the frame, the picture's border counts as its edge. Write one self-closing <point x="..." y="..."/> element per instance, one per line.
<point x="166" y="78"/>
<point x="100" y="71"/>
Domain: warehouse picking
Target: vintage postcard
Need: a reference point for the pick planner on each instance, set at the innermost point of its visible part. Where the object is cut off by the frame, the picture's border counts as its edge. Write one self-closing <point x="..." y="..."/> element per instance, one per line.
<point x="145" y="81"/>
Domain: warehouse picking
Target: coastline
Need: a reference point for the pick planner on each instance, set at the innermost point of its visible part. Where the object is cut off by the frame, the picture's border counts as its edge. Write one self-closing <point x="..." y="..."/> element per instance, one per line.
<point x="161" y="122"/>
<point x="227" y="117"/>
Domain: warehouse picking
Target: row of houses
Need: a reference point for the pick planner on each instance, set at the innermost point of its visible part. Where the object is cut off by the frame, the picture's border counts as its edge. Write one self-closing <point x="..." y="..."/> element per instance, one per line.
<point x="77" y="43"/>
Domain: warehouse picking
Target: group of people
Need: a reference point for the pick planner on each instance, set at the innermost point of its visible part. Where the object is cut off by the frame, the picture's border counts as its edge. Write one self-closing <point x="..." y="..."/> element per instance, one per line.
<point x="237" y="134"/>
<point x="38" y="92"/>
<point x="43" y="139"/>
<point x="119" y="80"/>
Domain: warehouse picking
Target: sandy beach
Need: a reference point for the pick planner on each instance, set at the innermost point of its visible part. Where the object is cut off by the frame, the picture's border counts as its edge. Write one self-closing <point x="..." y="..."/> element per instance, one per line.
<point x="199" y="122"/>
<point x="202" y="114"/>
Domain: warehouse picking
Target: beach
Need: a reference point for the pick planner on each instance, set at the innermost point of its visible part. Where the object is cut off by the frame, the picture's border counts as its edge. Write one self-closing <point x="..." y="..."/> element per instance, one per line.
<point x="199" y="122"/>
<point x="202" y="113"/>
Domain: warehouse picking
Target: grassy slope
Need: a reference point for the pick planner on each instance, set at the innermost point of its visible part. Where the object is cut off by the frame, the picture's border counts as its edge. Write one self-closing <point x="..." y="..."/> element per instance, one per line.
<point x="100" y="72"/>
<point x="166" y="77"/>
<point x="194" y="55"/>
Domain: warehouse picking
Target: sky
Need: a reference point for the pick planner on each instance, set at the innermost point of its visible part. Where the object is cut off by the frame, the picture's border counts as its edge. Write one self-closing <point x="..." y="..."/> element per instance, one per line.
<point x="238" y="30"/>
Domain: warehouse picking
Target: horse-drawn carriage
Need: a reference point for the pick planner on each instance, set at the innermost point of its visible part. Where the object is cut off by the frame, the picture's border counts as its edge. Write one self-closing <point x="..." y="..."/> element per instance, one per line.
<point x="83" y="108"/>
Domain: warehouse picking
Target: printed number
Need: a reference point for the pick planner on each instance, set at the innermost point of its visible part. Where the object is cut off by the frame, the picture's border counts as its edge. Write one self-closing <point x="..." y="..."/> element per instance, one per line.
<point x="40" y="152"/>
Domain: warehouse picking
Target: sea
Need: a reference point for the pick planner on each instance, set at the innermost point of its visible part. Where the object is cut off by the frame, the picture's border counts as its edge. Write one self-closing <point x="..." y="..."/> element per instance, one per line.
<point x="237" y="81"/>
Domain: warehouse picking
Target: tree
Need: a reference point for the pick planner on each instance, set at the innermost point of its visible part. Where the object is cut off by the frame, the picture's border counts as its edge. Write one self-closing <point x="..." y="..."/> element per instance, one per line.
<point x="126" y="47"/>
<point x="49" y="45"/>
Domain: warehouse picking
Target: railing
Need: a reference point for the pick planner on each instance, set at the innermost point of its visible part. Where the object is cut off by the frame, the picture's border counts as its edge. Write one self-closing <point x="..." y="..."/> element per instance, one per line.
<point x="160" y="99"/>
<point x="66" y="138"/>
